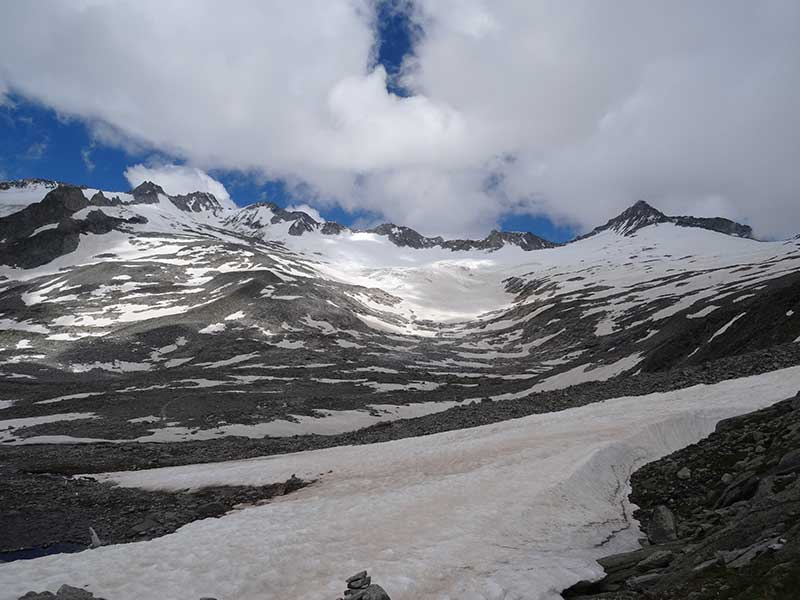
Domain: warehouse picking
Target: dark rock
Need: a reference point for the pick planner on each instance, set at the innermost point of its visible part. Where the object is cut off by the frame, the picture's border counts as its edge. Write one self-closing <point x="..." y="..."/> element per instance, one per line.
<point x="332" y="228"/>
<point x="662" y="526"/>
<point x="789" y="462"/>
<point x="38" y="596"/>
<point x="197" y="202"/>
<point x="642" y="582"/>
<point x="742" y="488"/>
<point x="657" y="560"/>
<point x="147" y="193"/>
<point x="212" y="509"/>
<point x="68" y="592"/>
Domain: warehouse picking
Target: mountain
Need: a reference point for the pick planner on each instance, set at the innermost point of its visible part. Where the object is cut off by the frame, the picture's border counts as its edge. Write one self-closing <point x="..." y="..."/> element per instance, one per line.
<point x="642" y="214"/>
<point x="256" y="219"/>
<point x="155" y="341"/>
<point x="107" y="297"/>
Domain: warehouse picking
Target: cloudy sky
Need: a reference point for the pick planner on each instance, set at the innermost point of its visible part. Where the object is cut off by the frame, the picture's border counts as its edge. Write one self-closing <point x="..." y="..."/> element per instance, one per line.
<point x="450" y="116"/>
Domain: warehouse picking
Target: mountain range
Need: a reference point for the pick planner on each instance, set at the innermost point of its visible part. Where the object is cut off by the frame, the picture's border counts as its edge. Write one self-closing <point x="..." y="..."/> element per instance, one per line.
<point x="507" y="389"/>
<point x="139" y="312"/>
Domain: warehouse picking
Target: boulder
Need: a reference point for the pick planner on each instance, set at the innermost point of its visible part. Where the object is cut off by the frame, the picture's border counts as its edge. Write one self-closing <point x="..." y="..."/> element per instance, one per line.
<point x="657" y="560"/>
<point x="68" y="592"/>
<point x="662" y="528"/>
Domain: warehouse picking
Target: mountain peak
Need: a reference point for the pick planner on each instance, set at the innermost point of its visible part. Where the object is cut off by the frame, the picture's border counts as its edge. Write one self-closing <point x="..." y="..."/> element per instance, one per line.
<point x="641" y="214"/>
<point x="634" y="218"/>
<point x="147" y="192"/>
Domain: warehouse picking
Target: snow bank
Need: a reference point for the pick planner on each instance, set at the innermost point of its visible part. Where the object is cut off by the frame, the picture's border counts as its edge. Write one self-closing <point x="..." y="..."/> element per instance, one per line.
<point x="518" y="509"/>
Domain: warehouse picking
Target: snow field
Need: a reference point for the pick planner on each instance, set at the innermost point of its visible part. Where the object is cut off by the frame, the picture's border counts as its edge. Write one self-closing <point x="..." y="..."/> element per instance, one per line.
<point x="517" y="509"/>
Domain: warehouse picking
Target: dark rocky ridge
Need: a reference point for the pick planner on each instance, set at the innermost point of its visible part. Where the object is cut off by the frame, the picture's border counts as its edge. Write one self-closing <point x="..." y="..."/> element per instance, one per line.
<point x="19" y="246"/>
<point x="401" y="236"/>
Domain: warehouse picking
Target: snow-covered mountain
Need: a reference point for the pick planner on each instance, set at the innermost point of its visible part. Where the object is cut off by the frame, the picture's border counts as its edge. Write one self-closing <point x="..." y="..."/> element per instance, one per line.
<point x="147" y="333"/>
<point x="155" y="317"/>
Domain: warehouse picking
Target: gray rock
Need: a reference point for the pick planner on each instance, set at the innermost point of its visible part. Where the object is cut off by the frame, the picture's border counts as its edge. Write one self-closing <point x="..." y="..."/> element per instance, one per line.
<point x="68" y="592"/>
<point x="357" y="584"/>
<point x="212" y="509"/>
<point x="356" y="577"/>
<point x="372" y="592"/>
<point x="642" y="582"/>
<point x="789" y="462"/>
<point x="662" y="528"/>
<point x="657" y="560"/>
<point x="726" y="478"/>
<point x="38" y="596"/>
<point x="685" y="473"/>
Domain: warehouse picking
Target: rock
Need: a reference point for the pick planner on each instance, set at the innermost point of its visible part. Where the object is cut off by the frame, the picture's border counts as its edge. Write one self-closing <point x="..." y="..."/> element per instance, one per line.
<point x="359" y="587"/>
<point x="742" y="488"/>
<point x="212" y="509"/>
<point x="145" y="525"/>
<point x="356" y="577"/>
<point x="739" y="558"/>
<point x="657" y="560"/>
<point x="726" y="478"/>
<point x="371" y="592"/>
<point x="789" y="462"/>
<point x="38" y="596"/>
<point x="685" y="473"/>
<point x="662" y="526"/>
<point x="359" y="583"/>
<point x="642" y="582"/>
<point x="68" y="592"/>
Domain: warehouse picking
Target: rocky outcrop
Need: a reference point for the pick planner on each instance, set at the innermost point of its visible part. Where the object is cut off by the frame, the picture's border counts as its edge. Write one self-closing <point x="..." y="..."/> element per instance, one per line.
<point x="197" y="202"/>
<point x="360" y="587"/>
<point x="45" y="245"/>
<point x="736" y="517"/>
<point x="56" y="206"/>
<point x="147" y="193"/>
<point x="65" y="592"/>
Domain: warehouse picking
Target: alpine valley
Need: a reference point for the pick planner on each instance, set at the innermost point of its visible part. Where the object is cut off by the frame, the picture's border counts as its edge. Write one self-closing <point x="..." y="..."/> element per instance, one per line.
<point x="508" y="388"/>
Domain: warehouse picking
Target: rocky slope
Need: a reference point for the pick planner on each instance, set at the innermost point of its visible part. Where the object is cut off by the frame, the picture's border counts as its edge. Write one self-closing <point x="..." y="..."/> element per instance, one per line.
<point x="722" y="517"/>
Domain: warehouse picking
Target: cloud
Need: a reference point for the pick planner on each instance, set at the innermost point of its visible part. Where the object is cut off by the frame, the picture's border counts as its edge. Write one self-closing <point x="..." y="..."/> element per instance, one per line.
<point x="570" y="110"/>
<point x="178" y="179"/>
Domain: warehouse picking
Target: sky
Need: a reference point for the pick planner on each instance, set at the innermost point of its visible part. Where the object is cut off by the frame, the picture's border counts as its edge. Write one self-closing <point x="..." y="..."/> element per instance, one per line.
<point x="453" y="117"/>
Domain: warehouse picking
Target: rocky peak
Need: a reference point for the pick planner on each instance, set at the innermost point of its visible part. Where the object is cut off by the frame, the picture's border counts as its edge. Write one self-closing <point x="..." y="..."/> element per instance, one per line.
<point x="633" y="218"/>
<point x="641" y="214"/>
<point x="147" y="193"/>
<point x="196" y="202"/>
<point x="405" y="237"/>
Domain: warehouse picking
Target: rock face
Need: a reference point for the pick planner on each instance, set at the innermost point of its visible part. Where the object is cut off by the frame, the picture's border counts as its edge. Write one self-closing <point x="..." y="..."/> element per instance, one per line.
<point x="737" y="519"/>
<point x="197" y="202"/>
<point x="147" y="193"/>
<point x="46" y="230"/>
<point x="360" y="587"/>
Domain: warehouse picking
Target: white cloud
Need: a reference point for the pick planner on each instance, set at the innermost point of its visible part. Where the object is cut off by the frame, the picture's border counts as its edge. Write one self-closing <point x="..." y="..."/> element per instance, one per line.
<point x="178" y="179"/>
<point x="573" y="110"/>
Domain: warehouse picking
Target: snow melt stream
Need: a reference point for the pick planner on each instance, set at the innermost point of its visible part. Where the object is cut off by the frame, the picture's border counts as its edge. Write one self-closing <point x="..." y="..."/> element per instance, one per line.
<point x="517" y="509"/>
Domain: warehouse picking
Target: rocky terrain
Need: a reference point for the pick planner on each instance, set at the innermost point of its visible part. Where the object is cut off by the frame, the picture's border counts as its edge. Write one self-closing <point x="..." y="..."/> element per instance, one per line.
<point x="722" y="517"/>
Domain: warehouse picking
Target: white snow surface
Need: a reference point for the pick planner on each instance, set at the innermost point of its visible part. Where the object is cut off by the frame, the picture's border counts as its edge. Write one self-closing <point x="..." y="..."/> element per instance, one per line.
<point x="505" y="511"/>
